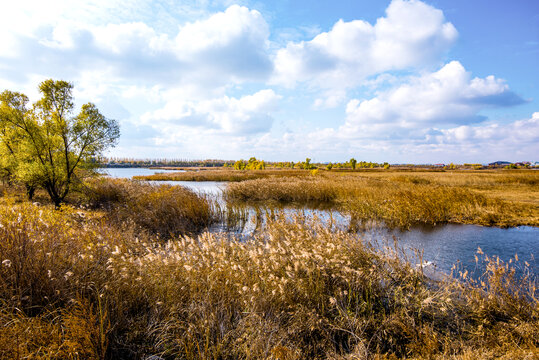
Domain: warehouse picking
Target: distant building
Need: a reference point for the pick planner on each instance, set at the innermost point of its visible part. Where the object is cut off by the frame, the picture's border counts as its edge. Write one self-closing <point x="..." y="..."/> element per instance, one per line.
<point x="500" y="163"/>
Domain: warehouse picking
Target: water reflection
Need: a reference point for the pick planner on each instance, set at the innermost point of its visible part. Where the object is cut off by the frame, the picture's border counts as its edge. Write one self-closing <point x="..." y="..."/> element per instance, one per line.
<point x="441" y="246"/>
<point x="446" y="245"/>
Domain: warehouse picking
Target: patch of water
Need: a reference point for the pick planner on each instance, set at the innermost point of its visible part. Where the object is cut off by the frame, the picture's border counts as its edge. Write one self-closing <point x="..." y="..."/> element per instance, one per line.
<point x="213" y="188"/>
<point x="441" y="246"/>
<point x="128" y="173"/>
<point x="438" y="248"/>
<point x="453" y="244"/>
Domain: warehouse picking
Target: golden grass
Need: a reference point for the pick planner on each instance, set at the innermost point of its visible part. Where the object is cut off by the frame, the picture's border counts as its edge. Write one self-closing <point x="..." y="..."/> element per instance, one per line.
<point x="404" y="199"/>
<point x="76" y="286"/>
<point x="505" y="183"/>
<point x="160" y="209"/>
<point x="222" y="175"/>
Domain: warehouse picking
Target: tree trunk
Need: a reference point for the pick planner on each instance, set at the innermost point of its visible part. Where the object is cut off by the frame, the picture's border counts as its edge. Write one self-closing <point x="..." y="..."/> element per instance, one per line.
<point x="30" y="190"/>
<point x="53" y="194"/>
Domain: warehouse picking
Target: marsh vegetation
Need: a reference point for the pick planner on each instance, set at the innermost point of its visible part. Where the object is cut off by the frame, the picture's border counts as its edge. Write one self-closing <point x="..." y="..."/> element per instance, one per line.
<point x="74" y="282"/>
<point x="127" y="270"/>
<point x="394" y="197"/>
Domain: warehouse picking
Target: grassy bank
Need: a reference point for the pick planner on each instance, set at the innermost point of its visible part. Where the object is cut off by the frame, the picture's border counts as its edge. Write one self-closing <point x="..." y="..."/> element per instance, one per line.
<point x="74" y="285"/>
<point x="406" y="199"/>
<point x="223" y="175"/>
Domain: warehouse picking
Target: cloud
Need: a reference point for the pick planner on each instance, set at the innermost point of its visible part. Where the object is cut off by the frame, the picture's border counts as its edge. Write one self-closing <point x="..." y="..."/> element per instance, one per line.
<point x="413" y="34"/>
<point x="446" y="97"/>
<point x="484" y="142"/>
<point x="176" y="72"/>
<point x="517" y="133"/>
<point x="232" y="42"/>
<point x="250" y="114"/>
<point x="227" y="47"/>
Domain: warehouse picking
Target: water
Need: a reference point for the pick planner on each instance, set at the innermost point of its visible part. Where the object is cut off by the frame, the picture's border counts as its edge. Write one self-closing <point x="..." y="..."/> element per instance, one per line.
<point x="442" y="246"/>
<point x="453" y="244"/>
<point x="128" y="173"/>
<point x="209" y="187"/>
<point x="214" y="188"/>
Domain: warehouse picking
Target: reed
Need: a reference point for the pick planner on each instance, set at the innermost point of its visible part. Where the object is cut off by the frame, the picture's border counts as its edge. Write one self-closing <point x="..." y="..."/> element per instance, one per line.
<point x="396" y="200"/>
<point x="74" y="286"/>
<point x="164" y="210"/>
<point x="223" y="175"/>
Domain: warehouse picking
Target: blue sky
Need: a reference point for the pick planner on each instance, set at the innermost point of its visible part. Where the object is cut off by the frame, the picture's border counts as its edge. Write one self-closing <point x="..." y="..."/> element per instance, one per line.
<point x="398" y="81"/>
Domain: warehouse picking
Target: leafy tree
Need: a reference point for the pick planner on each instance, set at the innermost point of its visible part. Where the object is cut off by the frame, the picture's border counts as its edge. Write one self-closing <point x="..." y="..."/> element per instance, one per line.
<point x="329" y="166"/>
<point x="307" y="164"/>
<point x="353" y="163"/>
<point x="48" y="145"/>
<point x="240" y="165"/>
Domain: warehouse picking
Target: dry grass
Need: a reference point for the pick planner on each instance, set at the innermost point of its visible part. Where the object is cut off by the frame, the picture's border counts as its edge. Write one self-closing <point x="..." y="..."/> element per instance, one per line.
<point x="160" y="209"/>
<point x="223" y="175"/>
<point x="75" y="286"/>
<point x="404" y="199"/>
<point x="519" y="185"/>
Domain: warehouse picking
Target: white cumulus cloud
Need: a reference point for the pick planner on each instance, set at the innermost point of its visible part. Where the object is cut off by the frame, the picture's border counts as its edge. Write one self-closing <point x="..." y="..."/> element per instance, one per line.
<point x="224" y="48"/>
<point x="413" y="34"/>
<point x="446" y="97"/>
<point x="228" y="115"/>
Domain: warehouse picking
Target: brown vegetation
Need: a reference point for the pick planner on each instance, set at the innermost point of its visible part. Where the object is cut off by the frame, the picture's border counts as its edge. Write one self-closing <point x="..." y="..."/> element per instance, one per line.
<point x="76" y="286"/>
<point x="222" y="175"/>
<point x="407" y="198"/>
<point x="160" y="209"/>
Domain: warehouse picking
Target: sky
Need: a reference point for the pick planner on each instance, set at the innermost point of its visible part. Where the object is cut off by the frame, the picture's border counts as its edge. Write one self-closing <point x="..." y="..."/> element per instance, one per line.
<point x="402" y="81"/>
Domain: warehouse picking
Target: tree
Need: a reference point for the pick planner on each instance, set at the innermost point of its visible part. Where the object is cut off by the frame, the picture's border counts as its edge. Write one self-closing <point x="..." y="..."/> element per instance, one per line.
<point x="240" y="165"/>
<point x="47" y="145"/>
<point x="353" y="163"/>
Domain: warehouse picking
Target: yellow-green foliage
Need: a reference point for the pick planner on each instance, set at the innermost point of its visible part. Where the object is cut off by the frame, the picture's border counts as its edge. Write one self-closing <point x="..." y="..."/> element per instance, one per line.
<point x="73" y="286"/>
<point x="48" y="144"/>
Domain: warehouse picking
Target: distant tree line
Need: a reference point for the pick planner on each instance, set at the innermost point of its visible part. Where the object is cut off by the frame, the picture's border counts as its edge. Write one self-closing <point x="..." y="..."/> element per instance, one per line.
<point x="132" y="162"/>
<point x="252" y="164"/>
<point x="256" y="164"/>
<point x="352" y="164"/>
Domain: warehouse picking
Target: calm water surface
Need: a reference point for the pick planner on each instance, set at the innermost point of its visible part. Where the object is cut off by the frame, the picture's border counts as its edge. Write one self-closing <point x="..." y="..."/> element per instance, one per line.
<point x="446" y="245"/>
<point x="442" y="246"/>
<point x="128" y="173"/>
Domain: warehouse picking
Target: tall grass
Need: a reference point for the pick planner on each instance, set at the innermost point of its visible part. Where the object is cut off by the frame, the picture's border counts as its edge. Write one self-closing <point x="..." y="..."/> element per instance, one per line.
<point x="222" y="175"/>
<point x="75" y="286"/>
<point x="285" y="190"/>
<point x="484" y="179"/>
<point x="398" y="200"/>
<point x="160" y="209"/>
